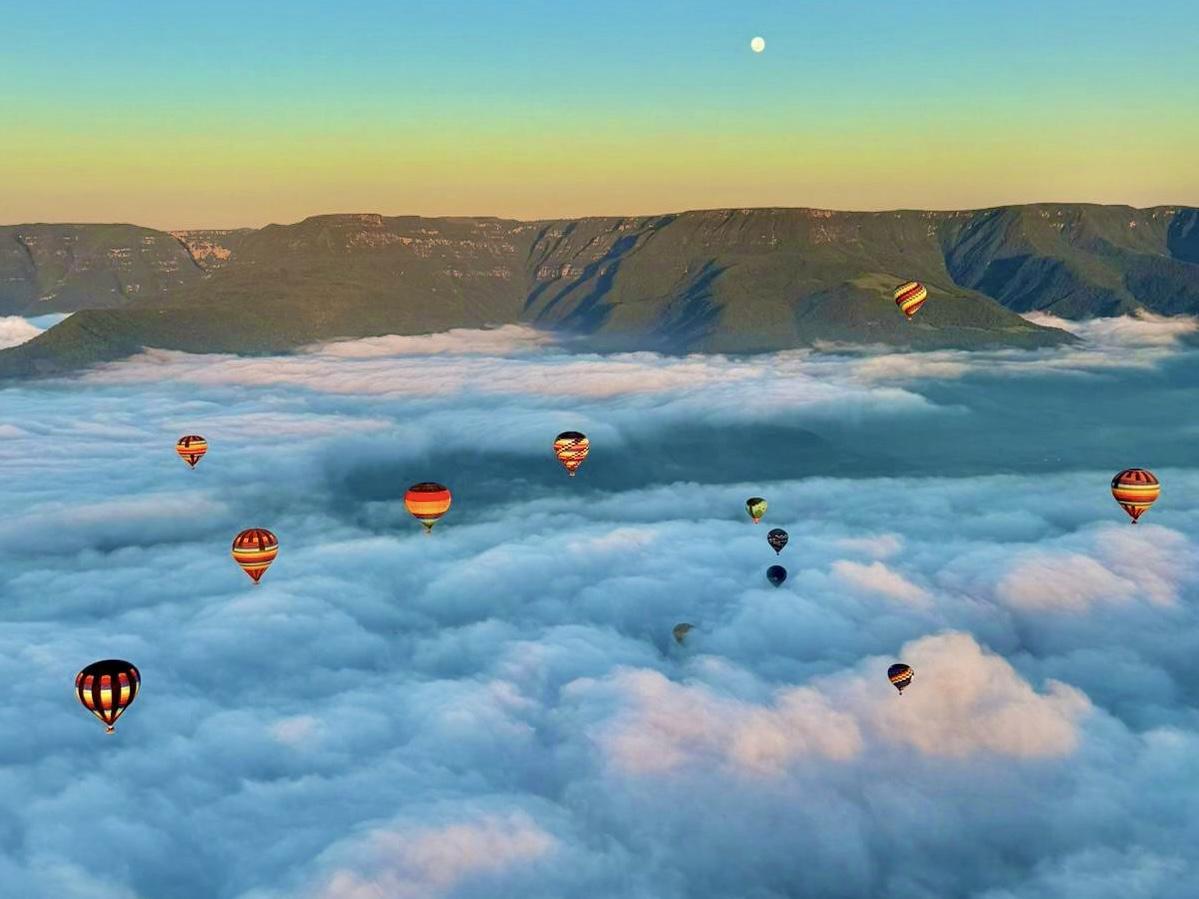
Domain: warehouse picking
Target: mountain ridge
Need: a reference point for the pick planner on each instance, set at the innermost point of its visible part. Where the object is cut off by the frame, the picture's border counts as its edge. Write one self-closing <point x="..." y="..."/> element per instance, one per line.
<point x="722" y="280"/>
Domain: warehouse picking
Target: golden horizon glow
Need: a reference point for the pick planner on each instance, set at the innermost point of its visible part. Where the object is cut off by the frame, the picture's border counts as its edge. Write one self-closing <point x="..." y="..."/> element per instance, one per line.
<point x="194" y="132"/>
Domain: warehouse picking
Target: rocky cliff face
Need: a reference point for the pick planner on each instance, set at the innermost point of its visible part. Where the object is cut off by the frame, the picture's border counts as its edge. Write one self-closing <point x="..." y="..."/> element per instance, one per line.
<point x="63" y="268"/>
<point x="209" y="250"/>
<point x="734" y="280"/>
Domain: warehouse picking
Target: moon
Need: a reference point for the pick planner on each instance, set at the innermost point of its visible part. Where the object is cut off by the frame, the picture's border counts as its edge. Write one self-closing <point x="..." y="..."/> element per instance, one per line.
<point x="758" y="44"/>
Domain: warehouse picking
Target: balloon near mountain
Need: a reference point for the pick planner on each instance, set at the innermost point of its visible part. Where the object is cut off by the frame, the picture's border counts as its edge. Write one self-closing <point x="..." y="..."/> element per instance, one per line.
<point x="910" y="296"/>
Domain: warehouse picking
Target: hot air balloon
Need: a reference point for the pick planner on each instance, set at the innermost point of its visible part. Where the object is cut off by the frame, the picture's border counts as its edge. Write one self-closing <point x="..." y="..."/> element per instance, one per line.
<point x="777" y="539"/>
<point x="756" y="507"/>
<point x="571" y="448"/>
<point x="900" y="675"/>
<point x="909" y="297"/>
<point x="254" y="549"/>
<point x="107" y="688"/>
<point x="776" y="574"/>
<point x="428" y="502"/>
<point x="1136" y="489"/>
<point x="191" y="448"/>
<point x="681" y="631"/>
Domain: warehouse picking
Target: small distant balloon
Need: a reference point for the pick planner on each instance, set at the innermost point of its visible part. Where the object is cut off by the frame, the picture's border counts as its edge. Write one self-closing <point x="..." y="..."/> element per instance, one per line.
<point x="107" y="688"/>
<point x="777" y="539"/>
<point x="681" y="631"/>
<point x="900" y="675"/>
<point x="191" y="448"/>
<point x="758" y="44"/>
<point x="776" y="574"/>
<point x="427" y="502"/>
<point x="254" y="549"/>
<point x="571" y="448"/>
<point x="1136" y="489"/>
<point x="756" y="507"/>
<point x="910" y="296"/>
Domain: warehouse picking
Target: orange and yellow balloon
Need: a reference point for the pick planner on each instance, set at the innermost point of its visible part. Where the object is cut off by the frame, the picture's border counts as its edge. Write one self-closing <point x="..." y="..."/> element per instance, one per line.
<point x="910" y="296"/>
<point x="254" y="549"/>
<point x="107" y="688"/>
<point x="191" y="448"/>
<point x="427" y="502"/>
<point x="571" y="448"/>
<point x="1136" y="489"/>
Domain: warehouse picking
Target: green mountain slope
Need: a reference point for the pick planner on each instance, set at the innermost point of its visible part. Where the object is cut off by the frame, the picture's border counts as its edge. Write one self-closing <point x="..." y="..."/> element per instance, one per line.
<point x="711" y="281"/>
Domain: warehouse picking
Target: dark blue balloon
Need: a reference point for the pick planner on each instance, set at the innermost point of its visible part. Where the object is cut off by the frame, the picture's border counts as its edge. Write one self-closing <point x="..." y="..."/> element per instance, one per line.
<point x="776" y="574"/>
<point x="777" y="539"/>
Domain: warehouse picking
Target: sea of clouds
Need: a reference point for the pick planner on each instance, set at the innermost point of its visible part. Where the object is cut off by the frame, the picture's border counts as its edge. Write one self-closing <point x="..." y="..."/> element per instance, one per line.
<point x="499" y="709"/>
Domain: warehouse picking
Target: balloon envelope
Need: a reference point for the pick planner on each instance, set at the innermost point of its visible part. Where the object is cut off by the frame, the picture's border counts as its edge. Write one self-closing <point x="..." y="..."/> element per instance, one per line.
<point x="681" y="631"/>
<point x="776" y="574"/>
<point x="900" y="675"/>
<point x="910" y="296"/>
<point x="254" y="549"/>
<point x="107" y="688"/>
<point x="777" y="539"/>
<point x="1136" y="489"/>
<point x="571" y="448"/>
<point x="756" y="507"/>
<point x="427" y="502"/>
<point x="191" y="448"/>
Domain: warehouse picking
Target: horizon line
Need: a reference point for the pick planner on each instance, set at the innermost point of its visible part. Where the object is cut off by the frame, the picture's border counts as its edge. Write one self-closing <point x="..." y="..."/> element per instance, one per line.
<point x="532" y="221"/>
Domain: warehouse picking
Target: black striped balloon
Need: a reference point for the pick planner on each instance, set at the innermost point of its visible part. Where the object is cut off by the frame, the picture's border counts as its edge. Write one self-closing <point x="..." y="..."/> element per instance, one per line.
<point x="107" y="688"/>
<point x="900" y="675"/>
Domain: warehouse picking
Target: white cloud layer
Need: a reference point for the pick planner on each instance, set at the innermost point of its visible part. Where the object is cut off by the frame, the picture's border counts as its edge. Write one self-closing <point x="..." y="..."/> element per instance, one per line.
<point x="499" y="709"/>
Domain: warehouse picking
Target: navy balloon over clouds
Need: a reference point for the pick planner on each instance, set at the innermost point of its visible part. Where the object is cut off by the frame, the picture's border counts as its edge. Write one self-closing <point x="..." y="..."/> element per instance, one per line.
<point x="500" y="709"/>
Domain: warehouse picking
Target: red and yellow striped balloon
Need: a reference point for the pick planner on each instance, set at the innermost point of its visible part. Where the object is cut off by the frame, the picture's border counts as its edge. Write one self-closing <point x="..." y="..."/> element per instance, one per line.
<point x="107" y="688"/>
<point x="191" y="448"/>
<point x="1136" y="489"/>
<point x="571" y="448"/>
<point x="909" y="297"/>
<point x="427" y="502"/>
<point x="254" y="549"/>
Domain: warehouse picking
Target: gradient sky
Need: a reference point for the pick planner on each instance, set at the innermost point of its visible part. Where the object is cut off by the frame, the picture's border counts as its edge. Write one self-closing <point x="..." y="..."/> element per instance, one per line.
<point x="230" y="113"/>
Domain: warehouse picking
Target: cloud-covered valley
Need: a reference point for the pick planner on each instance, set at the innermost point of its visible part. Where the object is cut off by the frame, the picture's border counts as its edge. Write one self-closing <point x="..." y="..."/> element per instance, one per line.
<point x="499" y="708"/>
